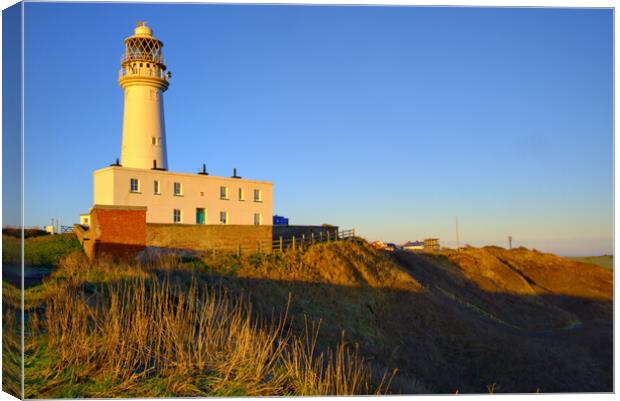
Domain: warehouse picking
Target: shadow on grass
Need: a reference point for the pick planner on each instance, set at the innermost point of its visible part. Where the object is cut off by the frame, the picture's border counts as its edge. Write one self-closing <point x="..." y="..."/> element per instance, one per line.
<point x="453" y="338"/>
<point x="449" y="336"/>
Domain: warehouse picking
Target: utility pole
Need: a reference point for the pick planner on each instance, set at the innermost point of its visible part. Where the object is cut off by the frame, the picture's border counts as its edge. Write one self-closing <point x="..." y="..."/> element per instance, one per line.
<point x="510" y="242"/>
<point x="458" y="244"/>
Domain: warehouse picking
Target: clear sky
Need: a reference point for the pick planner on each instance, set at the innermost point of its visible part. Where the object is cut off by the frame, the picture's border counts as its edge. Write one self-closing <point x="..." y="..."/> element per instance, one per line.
<point x="389" y="120"/>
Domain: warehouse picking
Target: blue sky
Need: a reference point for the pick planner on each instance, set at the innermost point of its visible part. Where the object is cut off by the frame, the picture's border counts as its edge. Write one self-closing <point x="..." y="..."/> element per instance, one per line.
<point x="389" y="120"/>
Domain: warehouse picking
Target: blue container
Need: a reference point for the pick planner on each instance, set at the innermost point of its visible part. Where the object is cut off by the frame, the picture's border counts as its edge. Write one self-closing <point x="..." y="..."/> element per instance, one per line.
<point x="280" y="220"/>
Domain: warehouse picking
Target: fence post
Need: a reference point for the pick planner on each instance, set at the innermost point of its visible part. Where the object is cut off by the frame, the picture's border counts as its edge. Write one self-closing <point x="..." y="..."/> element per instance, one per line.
<point x="312" y="237"/>
<point x="280" y="244"/>
<point x="336" y="235"/>
<point x="293" y="242"/>
<point x="321" y="236"/>
<point x="303" y="240"/>
<point x="327" y="234"/>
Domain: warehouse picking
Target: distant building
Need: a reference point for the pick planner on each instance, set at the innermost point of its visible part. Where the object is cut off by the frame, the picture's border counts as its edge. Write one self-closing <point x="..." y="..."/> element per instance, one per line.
<point x="85" y="219"/>
<point x="431" y="244"/>
<point x="414" y="246"/>
<point x="50" y="229"/>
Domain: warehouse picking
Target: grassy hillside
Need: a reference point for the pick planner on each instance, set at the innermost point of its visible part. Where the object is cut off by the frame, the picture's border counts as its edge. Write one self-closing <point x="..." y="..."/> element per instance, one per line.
<point x="335" y="318"/>
<point x="527" y="320"/>
<point x="38" y="250"/>
<point x="605" y="261"/>
<point x="170" y="326"/>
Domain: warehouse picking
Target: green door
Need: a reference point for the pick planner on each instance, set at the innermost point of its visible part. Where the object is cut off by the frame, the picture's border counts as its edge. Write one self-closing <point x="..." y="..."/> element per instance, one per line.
<point x="200" y="216"/>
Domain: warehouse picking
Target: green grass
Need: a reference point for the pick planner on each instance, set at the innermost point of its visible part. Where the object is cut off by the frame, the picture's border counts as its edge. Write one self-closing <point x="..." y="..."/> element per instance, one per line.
<point x="39" y="251"/>
<point x="605" y="261"/>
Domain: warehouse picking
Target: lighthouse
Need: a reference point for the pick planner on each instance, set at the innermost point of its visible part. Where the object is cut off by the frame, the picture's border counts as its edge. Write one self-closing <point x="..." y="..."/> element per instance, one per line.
<point x="142" y="178"/>
<point x="144" y="80"/>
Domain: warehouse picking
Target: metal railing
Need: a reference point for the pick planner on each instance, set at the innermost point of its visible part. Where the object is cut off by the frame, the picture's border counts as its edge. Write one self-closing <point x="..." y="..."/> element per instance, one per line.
<point x="142" y="57"/>
<point x="66" y="229"/>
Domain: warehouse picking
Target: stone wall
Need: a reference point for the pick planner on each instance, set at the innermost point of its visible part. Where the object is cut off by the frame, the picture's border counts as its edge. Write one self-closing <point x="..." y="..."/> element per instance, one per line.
<point x="208" y="237"/>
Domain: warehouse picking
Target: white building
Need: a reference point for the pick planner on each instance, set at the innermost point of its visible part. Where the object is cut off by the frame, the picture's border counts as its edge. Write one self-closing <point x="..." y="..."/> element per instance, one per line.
<point x="85" y="219"/>
<point x="142" y="177"/>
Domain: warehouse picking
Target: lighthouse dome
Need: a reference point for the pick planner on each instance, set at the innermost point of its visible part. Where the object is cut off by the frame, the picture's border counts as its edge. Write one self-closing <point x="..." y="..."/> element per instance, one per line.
<point x="142" y="30"/>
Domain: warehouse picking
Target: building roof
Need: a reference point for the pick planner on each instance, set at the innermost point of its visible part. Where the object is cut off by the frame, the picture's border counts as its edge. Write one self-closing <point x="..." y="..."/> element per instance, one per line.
<point x="172" y="173"/>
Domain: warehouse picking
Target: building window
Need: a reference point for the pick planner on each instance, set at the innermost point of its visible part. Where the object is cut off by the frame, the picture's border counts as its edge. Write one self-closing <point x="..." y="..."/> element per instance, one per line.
<point x="223" y="192"/>
<point x="258" y="219"/>
<point x="177" y="216"/>
<point x="134" y="185"/>
<point x="241" y="194"/>
<point x="178" y="189"/>
<point x="224" y="217"/>
<point x="258" y="195"/>
<point x="156" y="189"/>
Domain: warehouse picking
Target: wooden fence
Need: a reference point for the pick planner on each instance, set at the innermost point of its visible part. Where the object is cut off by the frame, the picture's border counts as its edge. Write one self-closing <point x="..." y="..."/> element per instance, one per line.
<point x="282" y="244"/>
<point x="300" y="242"/>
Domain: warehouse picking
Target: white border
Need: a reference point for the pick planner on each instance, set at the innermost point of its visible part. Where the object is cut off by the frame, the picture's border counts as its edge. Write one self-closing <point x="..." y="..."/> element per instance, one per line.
<point x="482" y="3"/>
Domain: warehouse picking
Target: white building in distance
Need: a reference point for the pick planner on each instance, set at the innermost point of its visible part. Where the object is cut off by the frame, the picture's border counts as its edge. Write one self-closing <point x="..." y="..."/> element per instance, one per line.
<point x="142" y="177"/>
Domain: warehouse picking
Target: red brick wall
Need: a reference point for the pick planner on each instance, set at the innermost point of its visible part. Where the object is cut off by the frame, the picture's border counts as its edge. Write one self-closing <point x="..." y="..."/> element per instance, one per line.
<point x="116" y="231"/>
<point x="120" y="226"/>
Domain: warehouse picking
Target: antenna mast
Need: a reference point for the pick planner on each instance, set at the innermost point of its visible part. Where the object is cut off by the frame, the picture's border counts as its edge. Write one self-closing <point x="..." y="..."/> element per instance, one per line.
<point x="458" y="244"/>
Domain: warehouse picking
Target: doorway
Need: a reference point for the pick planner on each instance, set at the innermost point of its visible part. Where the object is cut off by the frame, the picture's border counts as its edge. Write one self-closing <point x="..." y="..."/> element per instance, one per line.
<point x="200" y="216"/>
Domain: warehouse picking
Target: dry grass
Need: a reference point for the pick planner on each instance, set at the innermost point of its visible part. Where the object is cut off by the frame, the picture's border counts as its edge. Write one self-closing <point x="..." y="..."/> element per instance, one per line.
<point x="559" y="275"/>
<point x="11" y="350"/>
<point x="343" y="263"/>
<point x="604" y="261"/>
<point x="183" y="325"/>
<point x="134" y="333"/>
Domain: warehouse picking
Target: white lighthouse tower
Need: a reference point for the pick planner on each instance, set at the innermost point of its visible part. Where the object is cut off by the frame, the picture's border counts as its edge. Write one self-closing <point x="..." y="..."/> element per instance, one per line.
<point x="142" y="178"/>
<point x="144" y="79"/>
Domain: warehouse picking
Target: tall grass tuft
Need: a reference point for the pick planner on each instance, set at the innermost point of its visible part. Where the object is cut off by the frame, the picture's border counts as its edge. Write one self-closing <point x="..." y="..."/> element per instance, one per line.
<point x="147" y="336"/>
